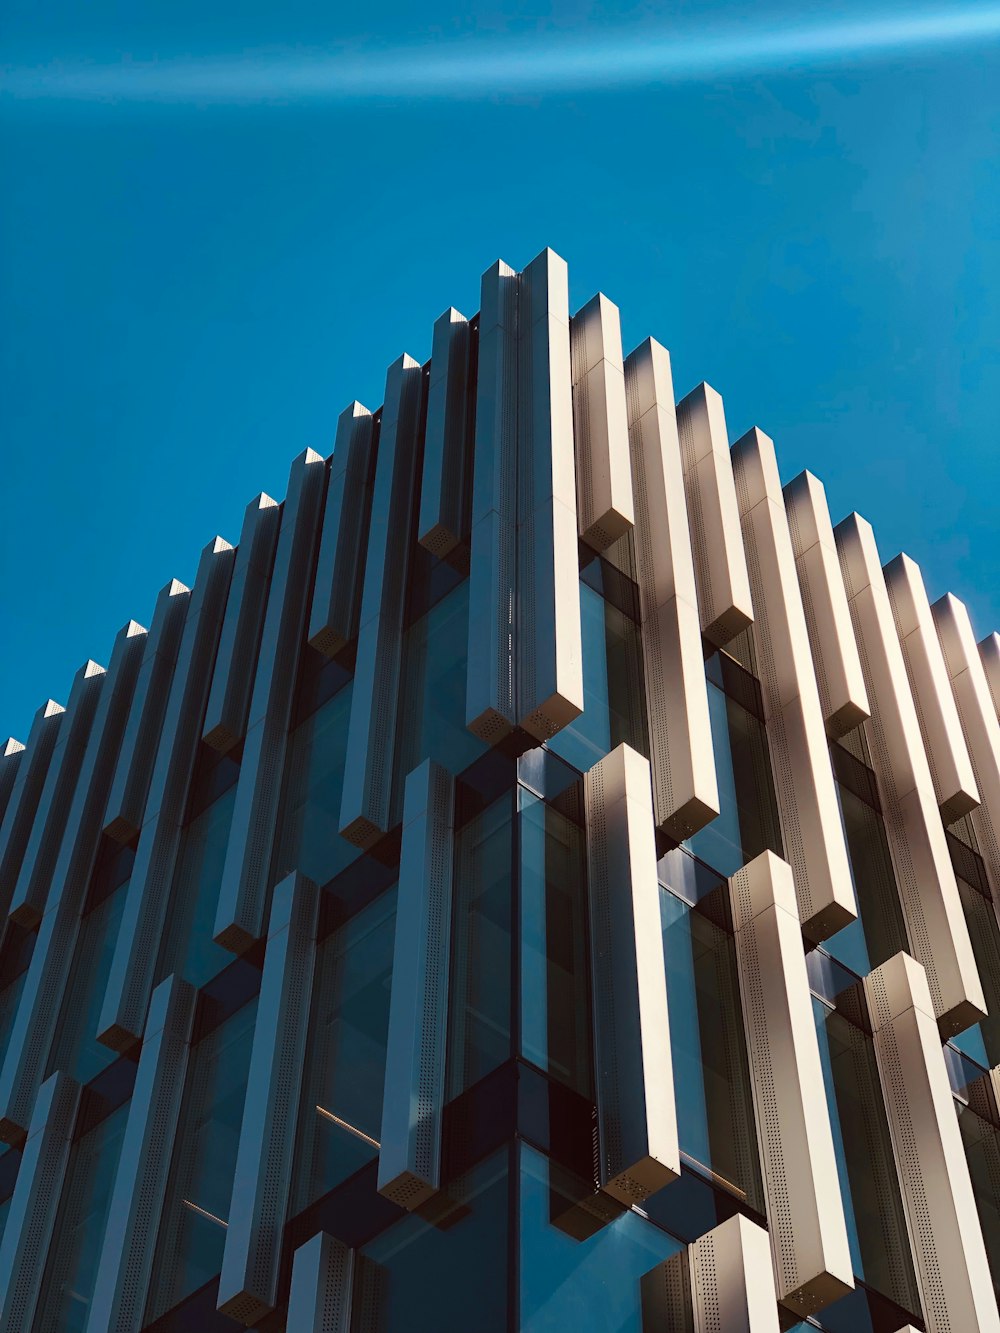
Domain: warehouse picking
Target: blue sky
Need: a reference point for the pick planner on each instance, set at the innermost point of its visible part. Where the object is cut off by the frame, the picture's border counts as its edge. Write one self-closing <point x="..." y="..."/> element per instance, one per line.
<point x="222" y="222"/>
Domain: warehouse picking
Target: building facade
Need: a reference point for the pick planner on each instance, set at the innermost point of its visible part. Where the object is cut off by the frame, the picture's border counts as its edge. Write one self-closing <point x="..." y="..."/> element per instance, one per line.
<point x="543" y="877"/>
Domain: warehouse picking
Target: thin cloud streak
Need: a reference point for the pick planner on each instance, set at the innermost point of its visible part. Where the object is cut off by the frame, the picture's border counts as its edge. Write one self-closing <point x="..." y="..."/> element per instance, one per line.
<point x="478" y="68"/>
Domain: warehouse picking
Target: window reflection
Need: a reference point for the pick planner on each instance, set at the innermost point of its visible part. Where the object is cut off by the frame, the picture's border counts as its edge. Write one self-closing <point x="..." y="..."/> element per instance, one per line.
<point x="341" y="1104"/>
<point x="76" y="1049"/>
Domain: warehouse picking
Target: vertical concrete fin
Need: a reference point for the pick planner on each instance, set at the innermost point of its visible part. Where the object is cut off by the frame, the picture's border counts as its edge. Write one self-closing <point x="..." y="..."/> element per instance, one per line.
<point x="811" y="828"/>
<point x="409" y="1170"/>
<point x="944" y="745"/>
<point x="125" y="1266"/>
<point x="228" y="705"/>
<point x="447" y="458"/>
<point x="548" y="638"/>
<point x="805" y="1213"/>
<point x="928" y="893"/>
<point x="724" y="598"/>
<point x="248" y="1285"/>
<point x="842" y="692"/>
<point x="241" y="916"/>
<point x="603" y="471"/>
<point x="322" y="1286"/>
<point x="365" y="807"/>
<point x="947" y="1242"/>
<point x="637" y="1116"/>
<point x="336" y="600"/>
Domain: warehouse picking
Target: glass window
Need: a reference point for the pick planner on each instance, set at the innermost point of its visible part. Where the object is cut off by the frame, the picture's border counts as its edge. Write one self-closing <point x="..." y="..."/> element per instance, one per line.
<point x="715" y="1120"/>
<point x="341" y="1108"/>
<point x="432" y="694"/>
<point x="873" y="1209"/>
<point x="76" y="1049"/>
<point x="68" y="1285"/>
<point x="188" y="948"/>
<point x="555" y="992"/>
<point x="981" y="1137"/>
<point x="193" y="1228"/>
<point x="309" y="827"/>
<point x="614" y="705"/>
<point x="449" y="1276"/>
<point x="982" y="1040"/>
<point x="589" y="1285"/>
<point x="479" y="1012"/>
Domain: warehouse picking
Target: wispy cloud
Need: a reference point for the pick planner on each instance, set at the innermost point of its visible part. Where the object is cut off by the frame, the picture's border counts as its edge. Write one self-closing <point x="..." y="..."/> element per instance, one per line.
<point x="478" y="67"/>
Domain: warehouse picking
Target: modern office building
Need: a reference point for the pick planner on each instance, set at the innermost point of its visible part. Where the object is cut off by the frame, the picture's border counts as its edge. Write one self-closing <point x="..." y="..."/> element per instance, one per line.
<point x="543" y="877"/>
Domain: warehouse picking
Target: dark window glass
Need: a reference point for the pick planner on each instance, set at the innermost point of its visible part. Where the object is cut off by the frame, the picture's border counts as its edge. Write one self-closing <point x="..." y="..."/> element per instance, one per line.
<point x="196" y="1214"/>
<point x="76" y="1049"/>
<point x="982" y="1040"/>
<point x="341" y="1106"/>
<point x="589" y="1285"/>
<point x="445" y="1276"/>
<point x="555" y="993"/>
<point x="981" y="1137"/>
<point x="309" y="829"/>
<point x="479" y="1012"/>
<point x="748" y="819"/>
<point x="432" y="695"/>
<point x="715" y="1120"/>
<point x="613" y="691"/>
<point x="68" y="1285"/>
<point x="873" y="1209"/>
<point x="189" y="949"/>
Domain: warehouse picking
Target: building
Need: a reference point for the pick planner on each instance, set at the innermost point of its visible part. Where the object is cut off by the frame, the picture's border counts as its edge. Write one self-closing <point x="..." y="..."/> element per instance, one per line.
<point x="543" y="877"/>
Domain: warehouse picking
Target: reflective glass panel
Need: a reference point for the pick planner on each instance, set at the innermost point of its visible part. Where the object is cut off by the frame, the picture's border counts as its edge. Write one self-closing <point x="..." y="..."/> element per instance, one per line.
<point x="309" y="832"/>
<point x="189" y="949"/>
<point x="479" y="1014"/>
<point x="715" y="1120"/>
<point x="555" y="991"/>
<point x="981" y="1138"/>
<point x="76" y="1049"/>
<point x="341" y="1108"/>
<point x="68" y="1285"/>
<point x="982" y="1040"/>
<point x="193" y="1228"/>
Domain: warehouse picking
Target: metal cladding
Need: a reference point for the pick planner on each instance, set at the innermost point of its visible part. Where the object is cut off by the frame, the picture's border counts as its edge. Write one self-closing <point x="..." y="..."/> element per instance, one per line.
<point x="949" y="1254"/>
<point x="364" y="811"/>
<point x="322" y="1286"/>
<point x="18" y="820"/>
<point x="35" y="1202"/>
<point x="10" y="761"/>
<point x="336" y="599"/>
<point x="724" y="598"/>
<point x="241" y="916"/>
<point x="600" y="423"/>
<point x="928" y="893"/>
<point x="126" y="1260"/>
<point x="409" y="1169"/>
<point x="228" y="705"/>
<point x="811" y="827"/>
<point x="130" y="788"/>
<point x="27" y="901"/>
<point x="722" y="1284"/>
<point x="147" y="901"/>
<point x="685" y="787"/>
<point x="841" y="682"/>
<point x="249" y="1281"/>
<point x="637" y="1118"/>
<point x="989" y="652"/>
<point x="805" y="1213"/>
<point x="443" y="519"/>
<point x="944" y="744"/>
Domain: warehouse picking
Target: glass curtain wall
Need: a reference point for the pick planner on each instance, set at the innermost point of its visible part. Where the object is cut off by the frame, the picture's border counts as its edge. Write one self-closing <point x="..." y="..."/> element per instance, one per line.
<point x="76" y="1049"/>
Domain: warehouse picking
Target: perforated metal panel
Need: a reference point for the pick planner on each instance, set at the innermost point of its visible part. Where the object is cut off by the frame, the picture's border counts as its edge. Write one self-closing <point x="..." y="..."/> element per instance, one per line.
<point x="805" y="1213"/>
<point x="35" y="1202"/>
<point x="336" y="600"/>
<point x="949" y="1255"/>
<point x="732" y="1286"/>
<point x="989" y="653"/>
<point x="322" y="1286"/>
<point x="123" y="1273"/>
<point x="928" y="893"/>
<point x="10" y="762"/>
<point x="228" y="704"/>
<point x="811" y="829"/>
<point x="637" y="1118"/>
<point x="409" y="1169"/>
<point x="447" y="458"/>
<point x="15" y="831"/>
<point x="248" y="1284"/>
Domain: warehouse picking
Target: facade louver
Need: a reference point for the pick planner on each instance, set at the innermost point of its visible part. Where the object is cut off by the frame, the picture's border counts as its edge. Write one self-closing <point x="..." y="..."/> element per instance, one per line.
<point x="545" y="876"/>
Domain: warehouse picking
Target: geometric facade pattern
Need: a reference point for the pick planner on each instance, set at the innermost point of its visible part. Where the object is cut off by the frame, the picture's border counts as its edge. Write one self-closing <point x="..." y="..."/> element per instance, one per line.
<point x="543" y="875"/>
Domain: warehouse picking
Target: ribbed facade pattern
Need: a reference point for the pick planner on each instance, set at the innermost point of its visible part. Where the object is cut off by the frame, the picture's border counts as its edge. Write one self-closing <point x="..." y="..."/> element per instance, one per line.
<point x="543" y="876"/>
